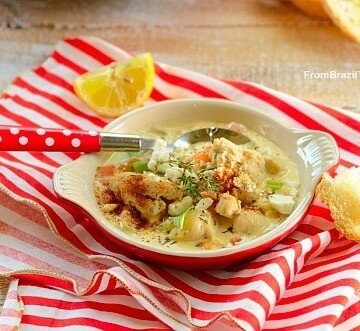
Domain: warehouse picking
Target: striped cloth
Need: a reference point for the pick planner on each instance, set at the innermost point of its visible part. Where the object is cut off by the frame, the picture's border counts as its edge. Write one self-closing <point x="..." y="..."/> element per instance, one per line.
<point x="67" y="275"/>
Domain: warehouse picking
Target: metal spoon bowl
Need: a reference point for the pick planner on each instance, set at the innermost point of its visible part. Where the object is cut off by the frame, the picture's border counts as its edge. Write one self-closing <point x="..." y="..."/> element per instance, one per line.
<point x="208" y="135"/>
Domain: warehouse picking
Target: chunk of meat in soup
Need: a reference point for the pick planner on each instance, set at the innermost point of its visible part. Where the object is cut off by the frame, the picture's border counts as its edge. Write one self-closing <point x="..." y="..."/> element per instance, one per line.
<point x="251" y="221"/>
<point x="144" y="192"/>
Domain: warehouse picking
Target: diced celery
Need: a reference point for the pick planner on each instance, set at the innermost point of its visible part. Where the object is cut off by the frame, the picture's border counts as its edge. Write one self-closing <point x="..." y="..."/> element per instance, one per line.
<point x="179" y="220"/>
<point x="274" y="184"/>
<point x="140" y="166"/>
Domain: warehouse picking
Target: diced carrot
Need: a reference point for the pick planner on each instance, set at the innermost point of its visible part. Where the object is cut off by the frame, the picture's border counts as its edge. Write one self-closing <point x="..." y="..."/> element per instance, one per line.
<point x="206" y="194"/>
<point x="203" y="156"/>
<point x="106" y="171"/>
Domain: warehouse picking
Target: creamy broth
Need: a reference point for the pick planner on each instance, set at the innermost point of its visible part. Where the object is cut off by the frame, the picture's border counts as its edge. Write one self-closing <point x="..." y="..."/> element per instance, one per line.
<point x="207" y="197"/>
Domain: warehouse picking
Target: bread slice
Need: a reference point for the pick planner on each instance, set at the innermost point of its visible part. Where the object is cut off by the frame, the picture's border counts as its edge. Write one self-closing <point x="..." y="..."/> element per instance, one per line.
<point x="346" y="15"/>
<point x="342" y="195"/>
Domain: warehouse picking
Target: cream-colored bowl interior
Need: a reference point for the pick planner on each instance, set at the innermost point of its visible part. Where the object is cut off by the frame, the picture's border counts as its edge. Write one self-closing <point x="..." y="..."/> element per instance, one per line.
<point x="313" y="152"/>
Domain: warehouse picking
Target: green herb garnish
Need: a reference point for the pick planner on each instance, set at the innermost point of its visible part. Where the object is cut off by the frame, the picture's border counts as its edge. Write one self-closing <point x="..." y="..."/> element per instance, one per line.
<point x="191" y="186"/>
<point x="194" y="181"/>
<point x="209" y="182"/>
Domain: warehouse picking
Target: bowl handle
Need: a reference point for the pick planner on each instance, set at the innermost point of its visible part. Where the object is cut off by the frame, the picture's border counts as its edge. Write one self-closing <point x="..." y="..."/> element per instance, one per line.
<point x="70" y="180"/>
<point x="318" y="149"/>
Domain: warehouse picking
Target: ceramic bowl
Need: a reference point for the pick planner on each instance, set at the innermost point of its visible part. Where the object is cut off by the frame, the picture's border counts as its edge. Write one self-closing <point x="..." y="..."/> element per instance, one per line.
<point x="313" y="152"/>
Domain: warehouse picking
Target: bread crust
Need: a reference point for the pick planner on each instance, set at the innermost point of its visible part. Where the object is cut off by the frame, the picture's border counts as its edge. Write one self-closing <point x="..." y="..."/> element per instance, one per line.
<point x="342" y="195"/>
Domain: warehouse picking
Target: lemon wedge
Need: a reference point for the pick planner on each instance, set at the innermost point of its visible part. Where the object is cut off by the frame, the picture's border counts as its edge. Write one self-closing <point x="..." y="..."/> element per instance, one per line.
<point x="118" y="87"/>
<point x="346" y="15"/>
<point x="311" y="7"/>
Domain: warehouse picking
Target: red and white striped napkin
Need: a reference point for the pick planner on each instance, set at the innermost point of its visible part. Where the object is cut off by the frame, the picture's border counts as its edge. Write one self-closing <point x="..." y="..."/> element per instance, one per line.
<point x="68" y="275"/>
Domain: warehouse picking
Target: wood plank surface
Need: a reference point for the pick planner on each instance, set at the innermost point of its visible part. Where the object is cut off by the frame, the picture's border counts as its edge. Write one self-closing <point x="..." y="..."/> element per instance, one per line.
<point x="264" y="41"/>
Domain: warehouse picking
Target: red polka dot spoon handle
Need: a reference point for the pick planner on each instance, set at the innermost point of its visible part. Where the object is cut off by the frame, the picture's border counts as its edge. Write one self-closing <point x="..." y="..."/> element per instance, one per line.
<point x="64" y="140"/>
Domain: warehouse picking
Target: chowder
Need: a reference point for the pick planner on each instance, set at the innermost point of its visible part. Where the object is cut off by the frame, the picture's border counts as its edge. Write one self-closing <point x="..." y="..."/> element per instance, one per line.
<point x="208" y="196"/>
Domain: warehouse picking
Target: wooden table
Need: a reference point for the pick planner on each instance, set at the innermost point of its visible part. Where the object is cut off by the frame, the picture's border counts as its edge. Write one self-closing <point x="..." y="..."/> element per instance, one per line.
<point x="265" y="41"/>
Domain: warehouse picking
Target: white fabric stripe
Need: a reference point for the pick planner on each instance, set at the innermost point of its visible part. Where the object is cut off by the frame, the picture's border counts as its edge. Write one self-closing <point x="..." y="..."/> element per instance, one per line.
<point x="60" y="70"/>
<point x="21" y="183"/>
<point x="271" y="268"/>
<point x="299" y="236"/>
<point x="43" y="256"/>
<point x="321" y="223"/>
<point x="30" y="160"/>
<point x="340" y="169"/>
<point x="336" y="254"/>
<point x="39" y="82"/>
<point x="30" y="327"/>
<point x="258" y="286"/>
<point x="8" y="320"/>
<point x="37" y="175"/>
<point x="6" y="261"/>
<point x="11" y="304"/>
<point x="26" y="226"/>
<point x="106" y="316"/>
<point x="173" y="91"/>
<point x="353" y="115"/>
<point x="306" y="245"/>
<point x="255" y="285"/>
<point x="351" y="323"/>
<point x="72" y="53"/>
<point x="247" y="304"/>
<point x="105" y="279"/>
<point x="155" y="278"/>
<point x="328" y="266"/>
<point x="314" y="113"/>
<point x="325" y="240"/>
<point x="334" y="309"/>
<point x="29" y="114"/>
<point x="101" y="316"/>
<point x="144" y="289"/>
<point x="58" y="157"/>
<point x="110" y="50"/>
<point x="300" y="304"/>
<point x="350" y="157"/>
<point x="320" y="327"/>
<point x="325" y="280"/>
<point x="224" y="324"/>
<point x="33" y="290"/>
<point x="275" y="254"/>
<point x="173" y="324"/>
<point x="52" y="107"/>
<point x="313" y="271"/>
<point x="7" y="121"/>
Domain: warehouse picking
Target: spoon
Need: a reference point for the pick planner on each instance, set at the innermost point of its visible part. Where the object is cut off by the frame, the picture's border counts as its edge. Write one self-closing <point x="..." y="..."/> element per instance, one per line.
<point x="65" y="140"/>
